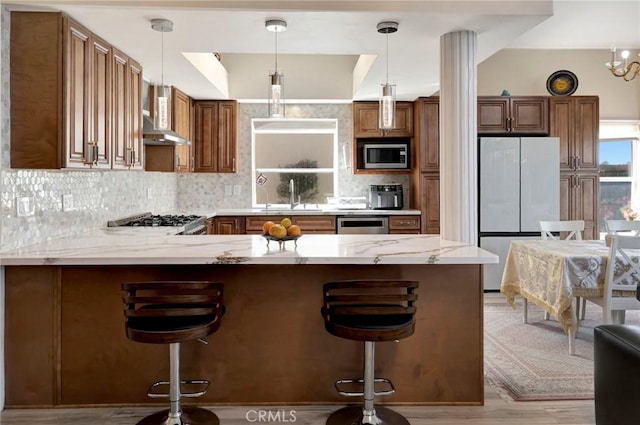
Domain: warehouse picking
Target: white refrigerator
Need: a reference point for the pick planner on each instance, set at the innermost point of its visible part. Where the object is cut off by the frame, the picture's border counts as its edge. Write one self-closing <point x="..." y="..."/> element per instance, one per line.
<point x="519" y="185"/>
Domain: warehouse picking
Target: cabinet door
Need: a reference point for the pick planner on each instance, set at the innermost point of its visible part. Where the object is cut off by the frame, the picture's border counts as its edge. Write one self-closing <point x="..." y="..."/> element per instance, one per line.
<point x="561" y="126"/>
<point x="318" y="224"/>
<point x="427" y="132"/>
<point x="586" y="133"/>
<point x="227" y="134"/>
<point x="399" y="224"/>
<point x="430" y="203"/>
<point x="99" y="100"/>
<point x="205" y="139"/>
<point x="228" y="226"/>
<point x="119" y="121"/>
<point x="77" y="57"/>
<point x="586" y="203"/>
<point x="493" y="115"/>
<point x="529" y="115"/>
<point x="135" y="140"/>
<point x="579" y="200"/>
<point x="365" y="120"/>
<point x="182" y="126"/>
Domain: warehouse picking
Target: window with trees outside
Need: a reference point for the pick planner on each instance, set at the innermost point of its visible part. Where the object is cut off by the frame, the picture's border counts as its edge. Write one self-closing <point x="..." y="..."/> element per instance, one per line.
<point x="619" y="153"/>
<point x="304" y="151"/>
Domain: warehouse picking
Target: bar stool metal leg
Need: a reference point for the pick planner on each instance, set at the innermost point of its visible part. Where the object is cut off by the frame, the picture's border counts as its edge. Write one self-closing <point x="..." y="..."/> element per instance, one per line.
<point x="176" y="415"/>
<point x="368" y="414"/>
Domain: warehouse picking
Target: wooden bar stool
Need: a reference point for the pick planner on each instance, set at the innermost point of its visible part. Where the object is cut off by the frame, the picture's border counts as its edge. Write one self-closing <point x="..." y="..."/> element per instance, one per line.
<point x="170" y="312"/>
<point x="369" y="311"/>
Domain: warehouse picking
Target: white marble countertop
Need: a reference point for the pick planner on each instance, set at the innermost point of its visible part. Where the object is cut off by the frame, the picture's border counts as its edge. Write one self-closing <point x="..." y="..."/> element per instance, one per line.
<point x="105" y="247"/>
<point x="316" y="211"/>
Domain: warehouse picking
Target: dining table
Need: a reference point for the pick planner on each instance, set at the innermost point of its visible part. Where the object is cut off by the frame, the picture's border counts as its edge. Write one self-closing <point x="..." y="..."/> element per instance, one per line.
<point x="551" y="273"/>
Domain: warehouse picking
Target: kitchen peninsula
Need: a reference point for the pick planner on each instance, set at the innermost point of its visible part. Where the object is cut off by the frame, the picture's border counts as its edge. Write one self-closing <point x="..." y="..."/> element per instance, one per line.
<point x="66" y="345"/>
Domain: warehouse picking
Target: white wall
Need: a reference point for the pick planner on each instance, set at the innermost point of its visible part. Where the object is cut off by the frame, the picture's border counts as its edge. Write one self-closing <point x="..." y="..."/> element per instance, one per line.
<point x="525" y="71"/>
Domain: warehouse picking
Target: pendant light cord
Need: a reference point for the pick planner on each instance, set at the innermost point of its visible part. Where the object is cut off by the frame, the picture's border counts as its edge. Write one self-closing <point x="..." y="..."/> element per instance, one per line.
<point x="162" y="59"/>
<point x="276" y="32"/>
<point x="387" y="57"/>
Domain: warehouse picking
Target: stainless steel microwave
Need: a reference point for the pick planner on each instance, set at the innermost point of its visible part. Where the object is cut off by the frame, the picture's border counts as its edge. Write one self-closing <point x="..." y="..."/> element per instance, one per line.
<point x="386" y="155"/>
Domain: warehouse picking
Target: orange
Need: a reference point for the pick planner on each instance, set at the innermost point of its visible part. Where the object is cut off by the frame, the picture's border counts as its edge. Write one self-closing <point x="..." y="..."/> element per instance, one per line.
<point x="294" y="230"/>
<point x="278" y="231"/>
<point x="266" y="226"/>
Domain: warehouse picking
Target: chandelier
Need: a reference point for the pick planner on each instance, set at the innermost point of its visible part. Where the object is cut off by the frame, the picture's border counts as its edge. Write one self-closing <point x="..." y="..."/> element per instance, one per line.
<point x="628" y="71"/>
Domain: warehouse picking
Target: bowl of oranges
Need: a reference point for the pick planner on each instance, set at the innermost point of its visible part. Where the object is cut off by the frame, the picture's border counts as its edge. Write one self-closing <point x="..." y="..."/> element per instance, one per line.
<point x="281" y="232"/>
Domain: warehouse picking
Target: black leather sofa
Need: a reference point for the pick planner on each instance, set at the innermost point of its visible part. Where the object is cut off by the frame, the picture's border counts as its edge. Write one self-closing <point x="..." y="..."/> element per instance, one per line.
<point x="617" y="374"/>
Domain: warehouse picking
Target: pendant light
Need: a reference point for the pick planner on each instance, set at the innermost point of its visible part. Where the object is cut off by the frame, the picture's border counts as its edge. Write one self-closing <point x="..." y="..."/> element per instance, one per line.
<point x="276" y="80"/>
<point x="387" y="106"/>
<point x="162" y="93"/>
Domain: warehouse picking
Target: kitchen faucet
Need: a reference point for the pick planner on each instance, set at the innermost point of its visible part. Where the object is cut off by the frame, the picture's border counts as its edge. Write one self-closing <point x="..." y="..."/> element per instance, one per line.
<point x="292" y="192"/>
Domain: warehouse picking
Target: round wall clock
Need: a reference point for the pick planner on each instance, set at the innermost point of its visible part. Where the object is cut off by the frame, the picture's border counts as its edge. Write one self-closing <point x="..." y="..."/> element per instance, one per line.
<point x="562" y="83"/>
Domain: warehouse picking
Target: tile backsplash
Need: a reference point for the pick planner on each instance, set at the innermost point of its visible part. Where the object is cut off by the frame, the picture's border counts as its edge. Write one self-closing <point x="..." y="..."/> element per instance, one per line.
<point x="99" y="196"/>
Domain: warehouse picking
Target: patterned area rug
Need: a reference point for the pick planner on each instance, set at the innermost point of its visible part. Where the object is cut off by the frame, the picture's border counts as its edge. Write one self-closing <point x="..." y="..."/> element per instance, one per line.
<point x="529" y="362"/>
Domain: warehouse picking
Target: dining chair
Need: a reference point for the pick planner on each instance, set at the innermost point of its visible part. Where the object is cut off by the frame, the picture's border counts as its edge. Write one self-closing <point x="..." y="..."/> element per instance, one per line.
<point x="622" y="276"/>
<point x="570" y="229"/>
<point x="614" y="227"/>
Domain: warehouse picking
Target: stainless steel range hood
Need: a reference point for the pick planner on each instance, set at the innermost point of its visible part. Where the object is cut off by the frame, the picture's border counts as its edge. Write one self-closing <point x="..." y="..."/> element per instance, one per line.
<point x="151" y="136"/>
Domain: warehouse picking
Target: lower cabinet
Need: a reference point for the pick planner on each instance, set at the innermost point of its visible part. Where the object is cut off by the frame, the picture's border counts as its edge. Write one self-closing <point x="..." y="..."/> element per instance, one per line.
<point x="232" y="225"/>
<point x="399" y="224"/>
<point x="310" y="224"/>
<point x="579" y="200"/>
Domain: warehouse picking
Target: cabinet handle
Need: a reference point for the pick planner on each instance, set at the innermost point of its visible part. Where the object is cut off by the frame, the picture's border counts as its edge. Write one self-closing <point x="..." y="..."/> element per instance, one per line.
<point x="233" y="166"/>
<point x="178" y="161"/>
<point x="578" y="162"/>
<point x="193" y="164"/>
<point x="92" y="153"/>
<point x="133" y="157"/>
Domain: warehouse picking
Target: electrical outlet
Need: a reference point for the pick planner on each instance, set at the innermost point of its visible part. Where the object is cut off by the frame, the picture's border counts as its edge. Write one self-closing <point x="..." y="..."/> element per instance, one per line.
<point x="236" y="189"/>
<point x="67" y="202"/>
<point x="149" y="193"/>
<point x="24" y="207"/>
<point x="227" y="190"/>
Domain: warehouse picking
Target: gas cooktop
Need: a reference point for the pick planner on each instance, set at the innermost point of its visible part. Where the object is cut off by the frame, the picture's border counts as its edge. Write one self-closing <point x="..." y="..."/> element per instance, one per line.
<point x="193" y="224"/>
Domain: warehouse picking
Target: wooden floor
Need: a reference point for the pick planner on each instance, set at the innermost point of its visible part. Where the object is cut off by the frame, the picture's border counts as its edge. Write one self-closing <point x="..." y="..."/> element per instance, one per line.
<point x="496" y="411"/>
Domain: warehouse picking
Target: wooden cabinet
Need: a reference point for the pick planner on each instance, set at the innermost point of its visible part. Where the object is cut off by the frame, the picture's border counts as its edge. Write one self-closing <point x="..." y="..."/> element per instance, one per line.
<point x="318" y="224"/>
<point x="228" y="225"/>
<point x="126" y="123"/>
<point x="575" y="120"/>
<point x="174" y="158"/>
<point x="580" y="200"/>
<point x="404" y="224"/>
<point x="66" y="101"/>
<point x="214" y="142"/>
<point x="518" y="115"/>
<point x="365" y="120"/>
<point x="425" y="179"/>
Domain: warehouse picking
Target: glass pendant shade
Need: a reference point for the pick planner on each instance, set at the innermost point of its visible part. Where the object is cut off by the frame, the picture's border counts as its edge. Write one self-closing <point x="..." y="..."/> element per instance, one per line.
<point x="276" y="95"/>
<point x="162" y="107"/>
<point x="387" y="107"/>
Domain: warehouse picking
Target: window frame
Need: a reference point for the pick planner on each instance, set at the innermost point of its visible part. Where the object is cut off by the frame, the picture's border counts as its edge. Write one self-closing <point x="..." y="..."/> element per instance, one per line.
<point x="623" y="130"/>
<point x="292" y="126"/>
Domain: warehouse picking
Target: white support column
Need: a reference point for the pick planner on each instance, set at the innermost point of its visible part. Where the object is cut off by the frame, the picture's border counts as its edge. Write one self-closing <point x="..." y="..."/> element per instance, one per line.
<point x="458" y="137"/>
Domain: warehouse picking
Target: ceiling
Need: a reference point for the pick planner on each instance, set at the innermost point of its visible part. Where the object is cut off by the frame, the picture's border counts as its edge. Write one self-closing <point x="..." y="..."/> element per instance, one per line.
<point x="331" y="50"/>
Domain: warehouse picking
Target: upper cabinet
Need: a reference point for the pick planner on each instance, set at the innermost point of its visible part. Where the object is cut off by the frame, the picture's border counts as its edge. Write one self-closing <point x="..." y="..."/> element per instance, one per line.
<point x="173" y="158"/>
<point x="518" y="115"/>
<point x="427" y="134"/>
<point x="575" y="120"/>
<point x="126" y="119"/>
<point x="365" y="120"/>
<point x="68" y="107"/>
<point x="214" y="141"/>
